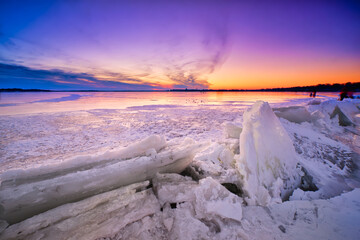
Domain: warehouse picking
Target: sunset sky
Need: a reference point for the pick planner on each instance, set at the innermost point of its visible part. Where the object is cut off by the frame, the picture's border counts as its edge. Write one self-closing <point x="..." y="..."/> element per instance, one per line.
<point x="149" y="45"/>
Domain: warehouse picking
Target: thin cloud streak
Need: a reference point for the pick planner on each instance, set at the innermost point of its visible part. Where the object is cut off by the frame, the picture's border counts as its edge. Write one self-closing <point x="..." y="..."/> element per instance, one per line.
<point x="194" y="73"/>
<point x="15" y="75"/>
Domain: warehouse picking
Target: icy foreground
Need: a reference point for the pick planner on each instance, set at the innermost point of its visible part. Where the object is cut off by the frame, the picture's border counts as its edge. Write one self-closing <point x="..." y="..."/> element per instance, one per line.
<point x="24" y="194"/>
<point x="284" y="173"/>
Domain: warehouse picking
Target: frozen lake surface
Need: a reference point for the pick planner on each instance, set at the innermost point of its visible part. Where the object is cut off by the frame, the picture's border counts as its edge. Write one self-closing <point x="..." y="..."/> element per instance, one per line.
<point x="40" y="102"/>
<point x="179" y="165"/>
<point x="42" y="126"/>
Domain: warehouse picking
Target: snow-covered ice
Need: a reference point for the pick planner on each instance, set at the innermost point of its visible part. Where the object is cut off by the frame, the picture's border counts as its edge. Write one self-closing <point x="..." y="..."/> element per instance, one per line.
<point x="24" y="196"/>
<point x="267" y="162"/>
<point x="100" y="215"/>
<point x="266" y="171"/>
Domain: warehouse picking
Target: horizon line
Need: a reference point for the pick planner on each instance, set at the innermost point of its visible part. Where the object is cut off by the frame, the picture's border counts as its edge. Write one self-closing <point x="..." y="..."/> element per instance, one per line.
<point x="319" y="87"/>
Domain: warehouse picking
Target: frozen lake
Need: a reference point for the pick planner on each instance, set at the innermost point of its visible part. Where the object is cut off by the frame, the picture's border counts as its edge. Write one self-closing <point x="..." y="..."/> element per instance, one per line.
<point x="40" y="102"/>
<point x="43" y="126"/>
<point x="66" y="157"/>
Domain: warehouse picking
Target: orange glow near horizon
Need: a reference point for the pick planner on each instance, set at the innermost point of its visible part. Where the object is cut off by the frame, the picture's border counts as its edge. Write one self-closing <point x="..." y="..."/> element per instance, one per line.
<point x="292" y="71"/>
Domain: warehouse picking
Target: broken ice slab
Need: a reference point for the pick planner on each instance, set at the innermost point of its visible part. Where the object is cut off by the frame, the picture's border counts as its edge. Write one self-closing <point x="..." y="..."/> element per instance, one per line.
<point x="344" y="110"/>
<point x="213" y="200"/>
<point x="296" y="114"/>
<point x="231" y="130"/>
<point x="21" y="201"/>
<point x="173" y="188"/>
<point x="102" y="215"/>
<point x="209" y="198"/>
<point x="81" y="163"/>
<point x="343" y="119"/>
<point x="267" y="162"/>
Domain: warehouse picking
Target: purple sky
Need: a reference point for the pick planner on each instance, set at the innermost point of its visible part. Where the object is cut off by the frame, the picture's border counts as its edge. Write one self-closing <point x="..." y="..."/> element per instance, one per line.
<point x="176" y="44"/>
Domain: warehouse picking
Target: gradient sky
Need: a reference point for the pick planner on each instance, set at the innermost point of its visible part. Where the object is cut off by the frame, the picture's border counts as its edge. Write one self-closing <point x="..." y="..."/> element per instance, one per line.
<point x="144" y="45"/>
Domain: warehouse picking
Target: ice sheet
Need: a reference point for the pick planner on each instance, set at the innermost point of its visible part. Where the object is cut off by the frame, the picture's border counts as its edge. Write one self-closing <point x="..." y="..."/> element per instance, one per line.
<point x="212" y="198"/>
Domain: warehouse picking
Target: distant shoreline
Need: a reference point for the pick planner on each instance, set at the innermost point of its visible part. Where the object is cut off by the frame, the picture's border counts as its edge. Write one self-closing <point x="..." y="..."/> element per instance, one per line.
<point x="355" y="87"/>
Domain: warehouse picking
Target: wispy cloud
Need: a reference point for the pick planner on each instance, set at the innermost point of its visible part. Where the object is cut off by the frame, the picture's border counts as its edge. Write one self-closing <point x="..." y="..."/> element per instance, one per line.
<point x="194" y="73"/>
<point x="14" y="75"/>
